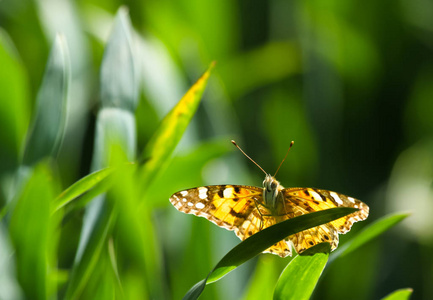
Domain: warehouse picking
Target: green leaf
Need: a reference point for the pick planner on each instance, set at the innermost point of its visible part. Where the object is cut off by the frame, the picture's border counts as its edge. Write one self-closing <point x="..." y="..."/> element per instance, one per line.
<point x="14" y="102"/>
<point x="402" y="294"/>
<point x="80" y="187"/>
<point x="300" y="277"/>
<point x="115" y="130"/>
<point x="196" y="290"/>
<point x="262" y="283"/>
<point x="269" y="236"/>
<point x="8" y="281"/>
<point x="47" y="129"/>
<point x="370" y="232"/>
<point x="171" y="129"/>
<point x="88" y="255"/>
<point x="30" y="233"/>
<point x="119" y="86"/>
<point x="193" y="161"/>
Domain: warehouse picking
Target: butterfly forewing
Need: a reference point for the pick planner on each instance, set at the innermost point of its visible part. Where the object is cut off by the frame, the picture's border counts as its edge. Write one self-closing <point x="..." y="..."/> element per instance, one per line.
<point x="233" y="207"/>
<point x="227" y="206"/>
<point x="306" y="200"/>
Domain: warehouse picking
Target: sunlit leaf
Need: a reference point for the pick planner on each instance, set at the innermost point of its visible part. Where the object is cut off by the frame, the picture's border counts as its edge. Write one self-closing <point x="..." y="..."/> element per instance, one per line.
<point x="171" y="129"/>
<point x="14" y="111"/>
<point x="402" y="294"/>
<point x="30" y="233"/>
<point x="80" y="187"/>
<point x="300" y="277"/>
<point x="262" y="283"/>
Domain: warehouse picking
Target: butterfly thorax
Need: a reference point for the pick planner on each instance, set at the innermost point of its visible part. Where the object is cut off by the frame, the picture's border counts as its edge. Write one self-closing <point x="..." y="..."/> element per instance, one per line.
<point x="272" y="196"/>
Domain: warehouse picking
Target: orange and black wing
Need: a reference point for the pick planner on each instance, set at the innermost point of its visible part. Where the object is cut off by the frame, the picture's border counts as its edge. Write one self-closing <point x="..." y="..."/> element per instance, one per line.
<point x="299" y="201"/>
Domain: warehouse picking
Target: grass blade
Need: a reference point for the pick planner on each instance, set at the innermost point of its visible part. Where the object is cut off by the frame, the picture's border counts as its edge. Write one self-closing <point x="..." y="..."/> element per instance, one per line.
<point x="269" y="236"/>
<point x="14" y="102"/>
<point x="80" y="187"/>
<point x="370" y="232"/>
<point x="8" y="281"/>
<point x="115" y="129"/>
<point x="266" y="238"/>
<point x="402" y="294"/>
<point x="300" y="277"/>
<point x="31" y="235"/>
<point x="49" y="120"/>
<point x="172" y="127"/>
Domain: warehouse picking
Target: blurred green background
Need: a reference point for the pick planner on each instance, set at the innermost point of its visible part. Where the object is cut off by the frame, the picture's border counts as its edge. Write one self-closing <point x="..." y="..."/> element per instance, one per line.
<point x="350" y="82"/>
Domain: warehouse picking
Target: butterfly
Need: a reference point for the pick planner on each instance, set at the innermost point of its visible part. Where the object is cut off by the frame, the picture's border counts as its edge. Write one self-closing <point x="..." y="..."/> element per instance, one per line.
<point x="247" y="210"/>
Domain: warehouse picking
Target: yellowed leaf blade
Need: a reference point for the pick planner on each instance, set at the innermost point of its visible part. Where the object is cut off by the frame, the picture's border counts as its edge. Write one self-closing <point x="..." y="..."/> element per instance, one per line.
<point x="169" y="133"/>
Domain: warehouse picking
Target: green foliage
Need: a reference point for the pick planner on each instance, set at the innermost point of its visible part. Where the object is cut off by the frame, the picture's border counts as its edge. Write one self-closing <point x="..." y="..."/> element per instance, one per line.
<point x="403" y="294"/>
<point x="300" y="277"/>
<point x="84" y="201"/>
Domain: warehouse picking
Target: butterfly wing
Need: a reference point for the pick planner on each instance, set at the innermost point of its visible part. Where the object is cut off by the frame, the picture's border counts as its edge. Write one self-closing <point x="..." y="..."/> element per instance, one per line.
<point x="227" y="206"/>
<point x="299" y="201"/>
<point x="233" y="207"/>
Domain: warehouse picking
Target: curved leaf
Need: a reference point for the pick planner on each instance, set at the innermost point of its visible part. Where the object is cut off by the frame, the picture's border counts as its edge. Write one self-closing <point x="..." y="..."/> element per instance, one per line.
<point x="300" y="276"/>
<point x="402" y="294"/>
<point x="49" y="120"/>
<point x="266" y="238"/>
<point x="80" y="187"/>
<point x="31" y="232"/>
<point x="171" y="129"/>
<point x="370" y="232"/>
<point x="14" y="104"/>
<point x="115" y="129"/>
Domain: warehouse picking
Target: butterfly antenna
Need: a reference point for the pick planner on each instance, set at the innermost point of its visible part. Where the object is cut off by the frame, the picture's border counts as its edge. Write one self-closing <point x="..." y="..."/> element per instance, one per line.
<point x="291" y="144"/>
<point x="236" y="145"/>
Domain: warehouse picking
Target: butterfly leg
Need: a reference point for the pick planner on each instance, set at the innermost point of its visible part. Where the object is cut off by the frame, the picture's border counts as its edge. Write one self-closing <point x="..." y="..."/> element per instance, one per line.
<point x="260" y="213"/>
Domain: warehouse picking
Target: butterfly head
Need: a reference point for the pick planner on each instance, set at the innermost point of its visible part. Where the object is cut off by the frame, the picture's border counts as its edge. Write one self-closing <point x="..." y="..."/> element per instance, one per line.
<point x="271" y="191"/>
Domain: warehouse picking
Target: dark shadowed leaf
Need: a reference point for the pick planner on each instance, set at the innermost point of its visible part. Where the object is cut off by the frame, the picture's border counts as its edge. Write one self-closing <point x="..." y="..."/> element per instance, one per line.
<point x="267" y="237"/>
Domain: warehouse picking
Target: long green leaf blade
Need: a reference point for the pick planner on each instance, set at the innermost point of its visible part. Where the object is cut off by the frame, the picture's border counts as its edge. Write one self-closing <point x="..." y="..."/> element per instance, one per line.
<point x="30" y="233"/>
<point x="171" y="129"/>
<point x="115" y="129"/>
<point x="266" y="238"/>
<point x="370" y="232"/>
<point x="14" y="102"/>
<point x="49" y="120"/>
<point x="80" y="187"/>
<point x="300" y="276"/>
<point x="402" y="294"/>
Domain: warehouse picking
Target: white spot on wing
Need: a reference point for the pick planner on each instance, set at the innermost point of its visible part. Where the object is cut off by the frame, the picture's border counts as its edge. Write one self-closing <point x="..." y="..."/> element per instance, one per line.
<point x="202" y="192"/>
<point x="190" y="204"/>
<point x="184" y="199"/>
<point x="228" y="192"/>
<point x="199" y="205"/>
<point x="315" y="195"/>
<point x="184" y="193"/>
<point x="336" y="198"/>
<point x="351" y="199"/>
